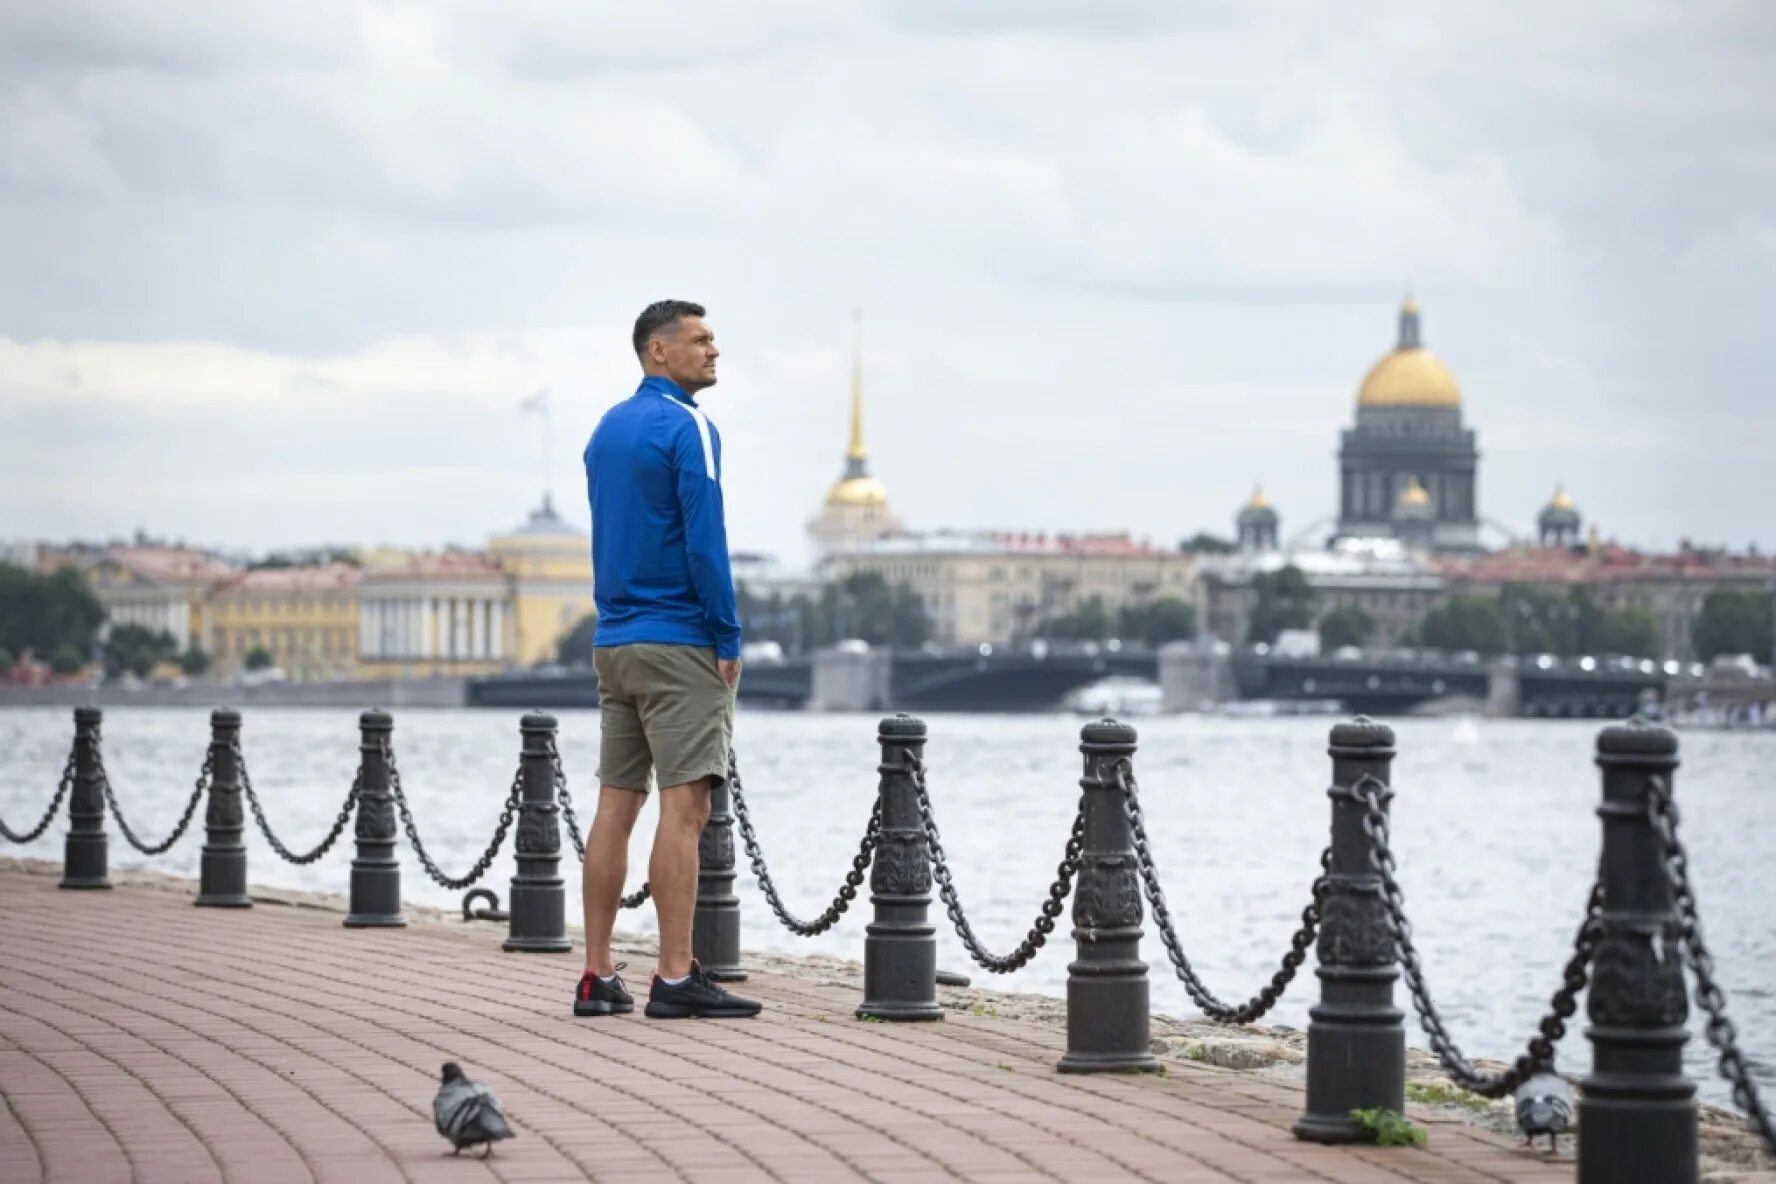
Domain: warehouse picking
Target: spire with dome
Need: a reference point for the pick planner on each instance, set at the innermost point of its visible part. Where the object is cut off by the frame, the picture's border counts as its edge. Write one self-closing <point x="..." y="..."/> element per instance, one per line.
<point x="1558" y="523"/>
<point x="1257" y="523"/>
<point x="855" y="512"/>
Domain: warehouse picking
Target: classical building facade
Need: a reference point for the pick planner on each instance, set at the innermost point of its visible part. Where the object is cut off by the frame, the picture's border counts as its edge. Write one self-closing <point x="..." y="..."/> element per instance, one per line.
<point x="463" y="612"/>
<point x="549" y="564"/>
<point x="434" y="613"/>
<point x="1390" y="581"/>
<point x="998" y="587"/>
<point x="1671" y="588"/>
<point x="306" y="618"/>
<point x="1409" y="435"/>
<point x="159" y="588"/>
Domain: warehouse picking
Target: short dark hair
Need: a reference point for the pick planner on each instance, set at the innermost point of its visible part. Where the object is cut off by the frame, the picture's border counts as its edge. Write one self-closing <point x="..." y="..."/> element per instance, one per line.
<point x="660" y="315"/>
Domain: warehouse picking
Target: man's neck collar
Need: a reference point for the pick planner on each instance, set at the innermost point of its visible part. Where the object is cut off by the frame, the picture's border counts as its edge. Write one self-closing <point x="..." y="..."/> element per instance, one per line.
<point x="659" y="384"/>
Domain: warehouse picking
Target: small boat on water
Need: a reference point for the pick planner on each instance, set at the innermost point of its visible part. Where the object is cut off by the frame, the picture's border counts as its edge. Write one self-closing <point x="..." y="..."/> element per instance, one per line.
<point x="1119" y="696"/>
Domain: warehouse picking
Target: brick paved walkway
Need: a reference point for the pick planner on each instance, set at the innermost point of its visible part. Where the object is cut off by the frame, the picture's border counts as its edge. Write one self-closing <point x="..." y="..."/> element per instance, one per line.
<point x="143" y="1039"/>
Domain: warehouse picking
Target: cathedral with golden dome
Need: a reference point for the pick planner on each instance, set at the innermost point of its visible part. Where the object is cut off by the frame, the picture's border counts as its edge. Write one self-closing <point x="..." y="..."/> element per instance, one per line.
<point x="1408" y="469"/>
<point x="855" y="512"/>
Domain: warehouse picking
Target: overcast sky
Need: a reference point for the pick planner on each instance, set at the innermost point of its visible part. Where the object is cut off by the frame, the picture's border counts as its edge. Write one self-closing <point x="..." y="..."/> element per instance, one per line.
<point x="274" y="273"/>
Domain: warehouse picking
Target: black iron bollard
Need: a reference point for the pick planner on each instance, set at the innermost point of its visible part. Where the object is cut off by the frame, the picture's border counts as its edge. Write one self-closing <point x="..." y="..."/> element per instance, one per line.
<point x="376" y="873"/>
<point x="539" y="903"/>
<point x="900" y="946"/>
<point x="1637" y="1110"/>
<point x="1356" y="1044"/>
<point x="222" y="883"/>
<point x="1107" y="1018"/>
<point x="715" y="922"/>
<point x="86" y="855"/>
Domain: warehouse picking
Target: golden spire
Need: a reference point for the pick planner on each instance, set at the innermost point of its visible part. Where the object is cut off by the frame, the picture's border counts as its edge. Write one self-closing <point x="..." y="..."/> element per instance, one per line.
<point x="1561" y="500"/>
<point x="856" y="452"/>
<point x="1257" y="501"/>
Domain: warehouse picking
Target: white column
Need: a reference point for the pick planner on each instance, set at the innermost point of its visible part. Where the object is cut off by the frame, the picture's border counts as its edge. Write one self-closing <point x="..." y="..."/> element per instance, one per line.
<point x="364" y="628"/>
<point x="416" y="639"/>
<point x="498" y="628"/>
<point x="477" y="640"/>
<point x="447" y="627"/>
<point x="425" y="627"/>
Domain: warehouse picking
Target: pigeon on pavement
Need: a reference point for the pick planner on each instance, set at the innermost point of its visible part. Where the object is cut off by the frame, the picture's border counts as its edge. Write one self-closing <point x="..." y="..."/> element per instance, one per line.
<point x="467" y="1113"/>
<point x="1544" y="1107"/>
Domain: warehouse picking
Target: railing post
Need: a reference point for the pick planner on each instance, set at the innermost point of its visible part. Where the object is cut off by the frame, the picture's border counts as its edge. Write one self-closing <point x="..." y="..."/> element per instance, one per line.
<point x="375" y="872"/>
<point x="715" y="921"/>
<point x="1637" y="1110"/>
<point x="900" y="944"/>
<point x="1356" y="1043"/>
<point x="539" y="902"/>
<point x="222" y="883"/>
<point x="86" y="854"/>
<point x="1107" y="1017"/>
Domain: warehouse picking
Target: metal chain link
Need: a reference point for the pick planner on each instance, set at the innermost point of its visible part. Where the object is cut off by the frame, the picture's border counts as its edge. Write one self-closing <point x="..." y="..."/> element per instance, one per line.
<point x="635" y="899"/>
<point x="1539" y="1053"/>
<point x="1212" y="1007"/>
<point x="49" y="815"/>
<point x="1051" y="908"/>
<point x="326" y="844"/>
<point x="847" y="891"/>
<point x="197" y="793"/>
<point x="1721" y="1032"/>
<point x="455" y="883"/>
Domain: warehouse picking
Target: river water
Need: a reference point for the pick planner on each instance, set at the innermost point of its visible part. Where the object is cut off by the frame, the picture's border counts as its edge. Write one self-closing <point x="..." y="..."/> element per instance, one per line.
<point x="1493" y="826"/>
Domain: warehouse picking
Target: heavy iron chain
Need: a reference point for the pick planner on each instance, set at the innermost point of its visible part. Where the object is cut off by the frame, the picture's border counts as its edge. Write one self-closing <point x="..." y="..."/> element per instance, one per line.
<point x="1214" y="1008"/>
<point x="197" y="793"/>
<point x="1539" y="1053"/>
<point x="49" y="815"/>
<point x="847" y="891"/>
<point x="326" y="844"/>
<point x="1721" y="1032"/>
<point x="455" y="883"/>
<point x="635" y="899"/>
<point x="1051" y="908"/>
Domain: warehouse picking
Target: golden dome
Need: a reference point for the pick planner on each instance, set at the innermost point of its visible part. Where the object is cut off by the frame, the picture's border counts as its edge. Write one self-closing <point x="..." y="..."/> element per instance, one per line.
<point x="1411" y="376"/>
<point x="1258" y="501"/>
<point x="1560" y="500"/>
<point x="1414" y="495"/>
<point x="858" y="491"/>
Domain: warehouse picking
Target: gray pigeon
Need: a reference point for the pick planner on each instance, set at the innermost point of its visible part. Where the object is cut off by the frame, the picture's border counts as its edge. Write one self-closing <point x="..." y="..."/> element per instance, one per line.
<point x="467" y="1113"/>
<point x="1544" y="1107"/>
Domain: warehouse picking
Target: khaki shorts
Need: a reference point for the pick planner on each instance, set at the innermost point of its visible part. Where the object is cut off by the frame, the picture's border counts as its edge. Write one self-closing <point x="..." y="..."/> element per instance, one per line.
<point x="665" y="710"/>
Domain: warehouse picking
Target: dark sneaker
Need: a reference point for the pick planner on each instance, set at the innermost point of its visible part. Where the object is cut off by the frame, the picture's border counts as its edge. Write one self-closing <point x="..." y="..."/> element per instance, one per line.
<point x="597" y="997"/>
<point x="697" y="998"/>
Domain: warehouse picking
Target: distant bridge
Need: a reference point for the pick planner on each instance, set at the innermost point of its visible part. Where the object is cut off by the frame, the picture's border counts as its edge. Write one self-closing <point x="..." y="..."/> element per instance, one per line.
<point x="978" y="679"/>
<point x="999" y="678"/>
<point x="1379" y="685"/>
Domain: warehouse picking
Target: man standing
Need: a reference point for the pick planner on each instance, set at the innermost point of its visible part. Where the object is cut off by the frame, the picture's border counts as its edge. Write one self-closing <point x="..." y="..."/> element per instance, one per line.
<point x="667" y="654"/>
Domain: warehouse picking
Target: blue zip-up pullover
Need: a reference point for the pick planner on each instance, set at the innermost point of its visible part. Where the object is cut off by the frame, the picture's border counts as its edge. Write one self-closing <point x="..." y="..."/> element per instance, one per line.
<point x="659" y="544"/>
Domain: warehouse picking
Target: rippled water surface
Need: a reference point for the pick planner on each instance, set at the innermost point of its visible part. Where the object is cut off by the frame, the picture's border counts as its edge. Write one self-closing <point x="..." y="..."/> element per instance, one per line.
<point x="1494" y="828"/>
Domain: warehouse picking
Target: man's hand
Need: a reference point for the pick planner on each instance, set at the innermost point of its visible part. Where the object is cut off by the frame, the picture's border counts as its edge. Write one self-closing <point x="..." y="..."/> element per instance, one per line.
<point x="729" y="669"/>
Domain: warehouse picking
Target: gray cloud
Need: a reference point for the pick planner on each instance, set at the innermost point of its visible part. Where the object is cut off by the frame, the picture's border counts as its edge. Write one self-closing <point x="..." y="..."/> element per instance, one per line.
<point x="1118" y="262"/>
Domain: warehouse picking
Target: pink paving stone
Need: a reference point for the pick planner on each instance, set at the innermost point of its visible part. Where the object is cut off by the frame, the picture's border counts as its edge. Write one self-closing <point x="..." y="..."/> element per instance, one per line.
<point x="173" y="1025"/>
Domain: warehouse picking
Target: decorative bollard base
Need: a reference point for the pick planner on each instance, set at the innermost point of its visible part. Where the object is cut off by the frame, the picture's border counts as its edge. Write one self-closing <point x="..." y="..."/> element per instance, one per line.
<point x="1107" y="1027"/>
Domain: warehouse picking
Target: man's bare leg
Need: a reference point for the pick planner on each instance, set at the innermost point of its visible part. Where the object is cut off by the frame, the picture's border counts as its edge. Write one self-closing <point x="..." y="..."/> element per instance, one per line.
<point x="607" y="865"/>
<point x="672" y="870"/>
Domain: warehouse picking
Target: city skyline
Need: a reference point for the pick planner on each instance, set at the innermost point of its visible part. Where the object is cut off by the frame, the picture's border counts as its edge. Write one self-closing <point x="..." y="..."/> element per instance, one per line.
<point x="283" y="282"/>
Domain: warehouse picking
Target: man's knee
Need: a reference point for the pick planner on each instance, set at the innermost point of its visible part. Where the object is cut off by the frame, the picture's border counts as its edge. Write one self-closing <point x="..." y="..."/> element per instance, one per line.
<point x="619" y="807"/>
<point x="685" y="805"/>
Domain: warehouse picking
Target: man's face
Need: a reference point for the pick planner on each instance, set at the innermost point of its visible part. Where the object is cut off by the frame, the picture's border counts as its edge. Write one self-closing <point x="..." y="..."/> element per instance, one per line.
<point x="687" y="354"/>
